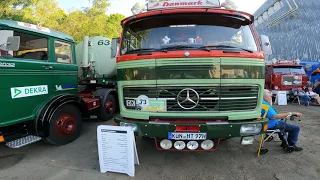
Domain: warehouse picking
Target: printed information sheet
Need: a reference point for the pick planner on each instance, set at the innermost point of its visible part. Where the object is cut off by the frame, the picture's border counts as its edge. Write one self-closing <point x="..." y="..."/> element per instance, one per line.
<point x="282" y="98"/>
<point x="117" y="149"/>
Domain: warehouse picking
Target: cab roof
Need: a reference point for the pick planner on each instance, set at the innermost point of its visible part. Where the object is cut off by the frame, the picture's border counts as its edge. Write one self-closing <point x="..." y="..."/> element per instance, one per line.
<point x="150" y="13"/>
<point x="33" y="28"/>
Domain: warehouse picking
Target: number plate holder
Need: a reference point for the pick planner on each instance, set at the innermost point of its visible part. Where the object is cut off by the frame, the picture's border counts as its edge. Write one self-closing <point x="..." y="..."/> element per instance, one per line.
<point x="187" y="136"/>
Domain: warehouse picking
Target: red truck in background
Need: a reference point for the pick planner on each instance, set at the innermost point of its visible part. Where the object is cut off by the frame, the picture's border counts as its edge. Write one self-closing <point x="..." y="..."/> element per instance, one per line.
<point x="284" y="75"/>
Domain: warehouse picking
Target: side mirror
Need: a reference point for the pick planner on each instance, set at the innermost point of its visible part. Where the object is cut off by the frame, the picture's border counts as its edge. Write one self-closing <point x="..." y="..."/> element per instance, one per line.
<point x="266" y="45"/>
<point x="13" y="43"/>
<point x="114" y="47"/>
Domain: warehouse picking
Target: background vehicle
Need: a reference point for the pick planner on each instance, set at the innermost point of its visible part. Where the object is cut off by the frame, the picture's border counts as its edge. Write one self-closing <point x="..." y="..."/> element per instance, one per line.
<point x="39" y="89"/>
<point x="189" y="75"/>
<point x="283" y="75"/>
<point x="310" y="67"/>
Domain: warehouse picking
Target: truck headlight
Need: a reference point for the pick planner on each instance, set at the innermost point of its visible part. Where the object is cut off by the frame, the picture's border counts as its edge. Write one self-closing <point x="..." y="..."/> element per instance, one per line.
<point x="276" y="87"/>
<point x="133" y="126"/>
<point x="250" y="128"/>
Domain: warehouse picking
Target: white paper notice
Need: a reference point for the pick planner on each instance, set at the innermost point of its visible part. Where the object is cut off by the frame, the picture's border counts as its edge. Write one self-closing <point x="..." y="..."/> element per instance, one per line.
<point x="117" y="149"/>
<point x="282" y="98"/>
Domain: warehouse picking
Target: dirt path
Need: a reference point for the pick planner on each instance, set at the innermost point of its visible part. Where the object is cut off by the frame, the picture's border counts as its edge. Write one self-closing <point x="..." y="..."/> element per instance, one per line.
<point x="79" y="160"/>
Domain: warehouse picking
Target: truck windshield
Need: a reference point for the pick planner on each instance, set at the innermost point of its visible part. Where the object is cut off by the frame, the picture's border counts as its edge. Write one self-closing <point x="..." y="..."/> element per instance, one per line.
<point x="188" y="31"/>
<point x="289" y="70"/>
<point x="31" y="46"/>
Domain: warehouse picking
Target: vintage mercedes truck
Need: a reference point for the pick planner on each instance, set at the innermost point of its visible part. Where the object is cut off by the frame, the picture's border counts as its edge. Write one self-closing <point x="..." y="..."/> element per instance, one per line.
<point x="285" y="75"/>
<point x="49" y="85"/>
<point x="191" y="73"/>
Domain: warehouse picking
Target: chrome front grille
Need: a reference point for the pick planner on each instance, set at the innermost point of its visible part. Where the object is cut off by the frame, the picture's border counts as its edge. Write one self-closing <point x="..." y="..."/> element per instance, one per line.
<point x="211" y="98"/>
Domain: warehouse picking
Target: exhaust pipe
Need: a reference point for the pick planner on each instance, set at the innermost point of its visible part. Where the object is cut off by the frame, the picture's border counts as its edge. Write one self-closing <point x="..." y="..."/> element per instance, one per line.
<point x="85" y="50"/>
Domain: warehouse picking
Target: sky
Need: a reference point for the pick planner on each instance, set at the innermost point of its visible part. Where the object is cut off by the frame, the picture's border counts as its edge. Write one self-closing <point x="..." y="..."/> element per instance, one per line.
<point x="124" y="6"/>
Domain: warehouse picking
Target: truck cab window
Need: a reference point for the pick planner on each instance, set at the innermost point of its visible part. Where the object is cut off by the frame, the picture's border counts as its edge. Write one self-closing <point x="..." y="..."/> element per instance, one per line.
<point x="31" y="47"/>
<point x="193" y="32"/>
<point x="289" y="70"/>
<point x="63" y="52"/>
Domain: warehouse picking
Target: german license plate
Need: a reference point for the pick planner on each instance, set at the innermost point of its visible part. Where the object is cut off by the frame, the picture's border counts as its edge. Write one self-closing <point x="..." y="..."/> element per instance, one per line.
<point x="187" y="136"/>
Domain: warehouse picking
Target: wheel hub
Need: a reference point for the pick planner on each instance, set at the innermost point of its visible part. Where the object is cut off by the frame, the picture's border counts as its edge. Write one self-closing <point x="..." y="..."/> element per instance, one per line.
<point x="109" y="107"/>
<point x="66" y="125"/>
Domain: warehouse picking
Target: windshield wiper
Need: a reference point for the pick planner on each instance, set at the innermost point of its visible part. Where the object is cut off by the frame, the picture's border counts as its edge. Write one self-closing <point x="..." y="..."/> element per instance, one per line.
<point x="141" y="50"/>
<point x="178" y="47"/>
<point x="225" y="47"/>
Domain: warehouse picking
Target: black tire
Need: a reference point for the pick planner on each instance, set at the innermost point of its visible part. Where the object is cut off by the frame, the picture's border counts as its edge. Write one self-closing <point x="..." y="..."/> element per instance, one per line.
<point x="106" y="113"/>
<point x="65" y="125"/>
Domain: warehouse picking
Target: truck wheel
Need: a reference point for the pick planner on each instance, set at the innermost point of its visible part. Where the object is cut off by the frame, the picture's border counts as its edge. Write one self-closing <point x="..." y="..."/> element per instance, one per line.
<point x="107" y="108"/>
<point x="65" y="125"/>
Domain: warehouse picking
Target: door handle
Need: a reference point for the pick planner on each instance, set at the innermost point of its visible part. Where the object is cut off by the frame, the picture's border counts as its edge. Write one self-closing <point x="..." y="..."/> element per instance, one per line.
<point x="47" y="67"/>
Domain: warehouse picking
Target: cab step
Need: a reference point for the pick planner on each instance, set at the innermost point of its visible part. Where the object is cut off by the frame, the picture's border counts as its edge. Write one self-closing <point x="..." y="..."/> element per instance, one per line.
<point x="26" y="140"/>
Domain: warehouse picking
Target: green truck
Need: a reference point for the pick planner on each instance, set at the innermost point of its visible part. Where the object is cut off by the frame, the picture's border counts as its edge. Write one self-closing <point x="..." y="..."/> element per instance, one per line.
<point x="186" y="74"/>
<point x="49" y="85"/>
<point x="190" y="74"/>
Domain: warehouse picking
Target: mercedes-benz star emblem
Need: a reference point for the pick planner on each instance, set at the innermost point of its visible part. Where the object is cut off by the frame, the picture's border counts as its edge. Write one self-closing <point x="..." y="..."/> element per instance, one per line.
<point x="188" y="98"/>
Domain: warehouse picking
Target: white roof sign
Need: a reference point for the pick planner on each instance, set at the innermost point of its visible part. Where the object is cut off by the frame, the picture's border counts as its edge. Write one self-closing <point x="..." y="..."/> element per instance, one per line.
<point x="35" y="27"/>
<point x="158" y="4"/>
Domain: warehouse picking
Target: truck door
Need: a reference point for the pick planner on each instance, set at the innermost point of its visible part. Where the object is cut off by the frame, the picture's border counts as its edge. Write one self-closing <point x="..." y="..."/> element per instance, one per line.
<point x="65" y="68"/>
<point x="25" y="76"/>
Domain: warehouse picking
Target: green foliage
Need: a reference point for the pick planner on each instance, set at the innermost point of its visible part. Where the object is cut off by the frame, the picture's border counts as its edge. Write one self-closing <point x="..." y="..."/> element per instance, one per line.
<point x="91" y="21"/>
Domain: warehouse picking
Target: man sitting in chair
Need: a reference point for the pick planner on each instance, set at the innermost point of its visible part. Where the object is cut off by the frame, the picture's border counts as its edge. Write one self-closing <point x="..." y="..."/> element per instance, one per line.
<point x="313" y="95"/>
<point x="304" y="96"/>
<point x="275" y="122"/>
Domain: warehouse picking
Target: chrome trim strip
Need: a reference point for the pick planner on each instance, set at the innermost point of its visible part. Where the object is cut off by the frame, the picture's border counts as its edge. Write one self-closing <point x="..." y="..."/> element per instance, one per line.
<point x="209" y="98"/>
<point x="216" y="123"/>
<point x="163" y="123"/>
<point x="202" y="85"/>
<point x="152" y="98"/>
<point x="190" y="85"/>
<point x="241" y="98"/>
<point x="202" y="98"/>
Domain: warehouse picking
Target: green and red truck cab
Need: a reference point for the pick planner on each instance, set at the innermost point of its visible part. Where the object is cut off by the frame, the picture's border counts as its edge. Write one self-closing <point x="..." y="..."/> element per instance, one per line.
<point x="189" y="76"/>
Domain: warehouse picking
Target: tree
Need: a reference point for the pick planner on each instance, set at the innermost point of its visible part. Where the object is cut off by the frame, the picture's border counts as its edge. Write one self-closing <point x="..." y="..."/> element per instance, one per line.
<point x="91" y="21"/>
<point x="43" y="13"/>
<point x="77" y="24"/>
<point x="7" y="7"/>
<point x="99" y="7"/>
<point x="114" y="26"/>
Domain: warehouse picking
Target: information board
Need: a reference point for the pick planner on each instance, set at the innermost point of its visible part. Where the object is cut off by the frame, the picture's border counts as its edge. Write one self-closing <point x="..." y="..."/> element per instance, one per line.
<point x="117" y="149"/>
<point x="282" y="98"/>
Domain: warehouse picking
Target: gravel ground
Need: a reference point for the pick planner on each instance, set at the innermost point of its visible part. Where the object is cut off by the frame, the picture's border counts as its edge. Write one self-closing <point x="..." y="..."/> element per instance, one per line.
<point x="79" y="160"/>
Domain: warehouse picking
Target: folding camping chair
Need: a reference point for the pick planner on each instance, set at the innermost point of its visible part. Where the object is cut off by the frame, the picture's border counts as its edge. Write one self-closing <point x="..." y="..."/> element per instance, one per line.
<point x="271" y="133"/>
<point x="296" y="96"/>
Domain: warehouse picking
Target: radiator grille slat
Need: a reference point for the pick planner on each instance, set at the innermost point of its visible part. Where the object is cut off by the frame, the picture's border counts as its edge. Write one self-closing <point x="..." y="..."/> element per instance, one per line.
<point x="212" y="98"/>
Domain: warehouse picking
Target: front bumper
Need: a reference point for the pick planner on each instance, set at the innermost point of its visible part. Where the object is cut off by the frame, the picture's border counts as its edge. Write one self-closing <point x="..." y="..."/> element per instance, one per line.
<point x="160" y="129"/>
<point x="215" y="130"/>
